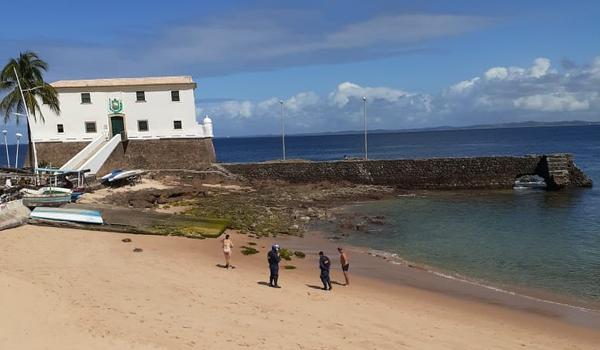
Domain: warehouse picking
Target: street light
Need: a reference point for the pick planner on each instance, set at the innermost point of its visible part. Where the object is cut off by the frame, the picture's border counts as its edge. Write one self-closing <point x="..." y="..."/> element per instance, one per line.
<point x="4" y="132"/>
<point x="35" y="160"/>
<point x="282" y="129"/>
<point x="365" y="120"/>
<point x="17" y="155"/>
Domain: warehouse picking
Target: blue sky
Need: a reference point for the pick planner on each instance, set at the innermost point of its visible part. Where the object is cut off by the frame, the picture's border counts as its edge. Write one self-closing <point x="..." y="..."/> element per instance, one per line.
<point x="421" y="63"/>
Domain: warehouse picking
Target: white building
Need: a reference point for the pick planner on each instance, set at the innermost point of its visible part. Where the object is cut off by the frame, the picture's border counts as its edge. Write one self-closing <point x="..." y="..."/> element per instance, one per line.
<point x="137" y="108"/>
<point x="145" y="123"/>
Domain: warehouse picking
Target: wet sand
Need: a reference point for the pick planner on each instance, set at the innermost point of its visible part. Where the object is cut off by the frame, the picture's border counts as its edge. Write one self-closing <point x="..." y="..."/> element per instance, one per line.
<point x="74" y="289"/>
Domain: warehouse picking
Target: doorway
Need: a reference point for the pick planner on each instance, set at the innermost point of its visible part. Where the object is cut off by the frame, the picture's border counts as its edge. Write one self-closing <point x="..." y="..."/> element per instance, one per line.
<point x="117" y="126"/>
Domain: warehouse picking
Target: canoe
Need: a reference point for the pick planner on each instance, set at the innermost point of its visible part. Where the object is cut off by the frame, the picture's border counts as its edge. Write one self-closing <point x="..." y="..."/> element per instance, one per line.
<point x="126" y="175"/>
<point x="46" y="197"/>
<point x="68" y="214"/>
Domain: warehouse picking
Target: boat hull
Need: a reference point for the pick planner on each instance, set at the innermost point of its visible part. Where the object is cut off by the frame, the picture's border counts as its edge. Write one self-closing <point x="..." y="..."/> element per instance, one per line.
<point x="68" y="214"/>
<point x="46" y="201"/>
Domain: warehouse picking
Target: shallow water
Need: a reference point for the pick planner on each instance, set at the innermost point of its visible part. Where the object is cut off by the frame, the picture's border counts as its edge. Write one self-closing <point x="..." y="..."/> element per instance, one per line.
<point x="535" y="240"/>
<point x="548" y="241"/>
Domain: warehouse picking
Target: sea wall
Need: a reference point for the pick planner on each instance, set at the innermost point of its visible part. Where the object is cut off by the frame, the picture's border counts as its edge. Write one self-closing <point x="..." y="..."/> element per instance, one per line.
<point x="434" y="173"/>
<point x="179" y="153"/>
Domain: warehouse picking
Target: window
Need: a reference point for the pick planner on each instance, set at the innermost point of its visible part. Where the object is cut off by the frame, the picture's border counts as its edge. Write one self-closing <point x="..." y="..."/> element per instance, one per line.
<point x="86" y="98"/>
<point x="142" y="125"/>
<point x="60" y="128"/>
<point x="175" y="96"/>
<point x="140" y="96"/>
<point x="177" y="125"/>
<point x="90" y="127"/>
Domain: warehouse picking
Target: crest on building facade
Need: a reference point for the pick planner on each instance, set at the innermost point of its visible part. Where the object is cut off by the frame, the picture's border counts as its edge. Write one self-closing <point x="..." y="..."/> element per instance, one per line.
<point x="115" y="105"/>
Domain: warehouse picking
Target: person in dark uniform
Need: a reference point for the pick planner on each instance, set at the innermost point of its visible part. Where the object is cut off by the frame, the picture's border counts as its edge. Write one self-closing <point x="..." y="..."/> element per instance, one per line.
<point x="325" y="265"/>
<point x="274" y="259"/>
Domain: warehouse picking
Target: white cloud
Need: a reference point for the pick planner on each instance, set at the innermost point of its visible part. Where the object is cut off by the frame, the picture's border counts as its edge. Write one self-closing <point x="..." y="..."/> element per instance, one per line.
<point x="552" y="103"/>
<point x="540" y="67"/>
<point x="347" y="91"/>
<point x="501" y="94"/>
<point x="499" y="73"/>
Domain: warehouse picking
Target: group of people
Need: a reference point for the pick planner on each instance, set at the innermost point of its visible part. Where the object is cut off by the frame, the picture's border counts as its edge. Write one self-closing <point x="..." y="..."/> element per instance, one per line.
<point x="274" y="259"/>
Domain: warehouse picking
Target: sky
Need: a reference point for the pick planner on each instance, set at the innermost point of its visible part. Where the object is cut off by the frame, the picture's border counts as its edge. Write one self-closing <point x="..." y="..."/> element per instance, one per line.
<point x="419" y="63"/>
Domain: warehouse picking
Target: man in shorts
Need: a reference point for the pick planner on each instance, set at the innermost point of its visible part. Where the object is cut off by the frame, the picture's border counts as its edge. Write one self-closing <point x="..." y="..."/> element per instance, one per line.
<point x="345" y="264"/>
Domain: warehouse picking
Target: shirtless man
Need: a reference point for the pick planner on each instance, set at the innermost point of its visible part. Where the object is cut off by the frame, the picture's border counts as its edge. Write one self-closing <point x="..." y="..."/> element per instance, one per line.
<point x="227" y="245"/>
<point x="345" y="264"/>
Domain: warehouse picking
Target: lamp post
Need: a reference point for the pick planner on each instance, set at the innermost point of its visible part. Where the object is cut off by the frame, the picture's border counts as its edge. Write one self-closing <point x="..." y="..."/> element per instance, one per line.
<point x="35" y="160"/>
<point x="365" y="121"/>
<point x="17" y="155"/>
<point x="282" y="130"/>
<point x="4" y="132"/>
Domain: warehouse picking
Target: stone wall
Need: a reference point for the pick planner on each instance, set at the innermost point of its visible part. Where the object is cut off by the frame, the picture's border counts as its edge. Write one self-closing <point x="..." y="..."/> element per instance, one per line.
<point x="56" y="153"/>
<point x="435" y="173"/>
<point x="161" y="154"/>
<point x="138" y="154"/>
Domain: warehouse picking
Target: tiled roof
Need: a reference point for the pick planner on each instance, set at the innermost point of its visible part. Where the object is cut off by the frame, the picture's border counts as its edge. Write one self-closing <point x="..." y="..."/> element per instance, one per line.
<point x="184" y="79"/>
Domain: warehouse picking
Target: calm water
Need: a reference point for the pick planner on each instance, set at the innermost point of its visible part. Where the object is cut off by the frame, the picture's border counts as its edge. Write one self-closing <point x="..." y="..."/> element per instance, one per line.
<point x="12" y="155"/>
<point x="540" y="240"/>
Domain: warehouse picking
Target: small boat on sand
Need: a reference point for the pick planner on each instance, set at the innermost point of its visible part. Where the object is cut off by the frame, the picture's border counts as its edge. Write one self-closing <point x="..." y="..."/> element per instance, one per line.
<point x="110" y="175"/>
<point x="46" y="197"/>
<point x="126" y="175"/>
<point x="68" y="214"/>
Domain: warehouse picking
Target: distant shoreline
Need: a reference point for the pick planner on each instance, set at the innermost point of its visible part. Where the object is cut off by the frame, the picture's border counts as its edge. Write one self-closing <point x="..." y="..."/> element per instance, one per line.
<point x="575" y="123"/>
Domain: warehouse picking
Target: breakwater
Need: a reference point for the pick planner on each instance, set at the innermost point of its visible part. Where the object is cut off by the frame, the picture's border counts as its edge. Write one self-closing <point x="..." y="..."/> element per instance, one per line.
<point x="559" y="171"/>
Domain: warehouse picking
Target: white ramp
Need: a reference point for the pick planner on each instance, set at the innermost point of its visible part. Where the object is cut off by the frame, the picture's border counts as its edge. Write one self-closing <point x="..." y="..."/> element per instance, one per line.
<point x="96" y="160"/>
<point x="83" y="155"/>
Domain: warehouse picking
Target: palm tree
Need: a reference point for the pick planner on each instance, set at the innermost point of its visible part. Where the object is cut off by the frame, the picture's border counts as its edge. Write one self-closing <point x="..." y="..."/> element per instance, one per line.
<point x="30" y="70"/>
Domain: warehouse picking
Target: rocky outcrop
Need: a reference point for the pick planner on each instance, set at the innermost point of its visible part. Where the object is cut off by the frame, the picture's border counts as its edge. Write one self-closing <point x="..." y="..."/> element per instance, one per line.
<point x="13" y="214"/>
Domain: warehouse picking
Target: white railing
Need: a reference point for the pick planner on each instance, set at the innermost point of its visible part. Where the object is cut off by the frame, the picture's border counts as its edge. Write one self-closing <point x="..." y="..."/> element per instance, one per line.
<point x="95" y="162"/>
<point x="84" y="154"/>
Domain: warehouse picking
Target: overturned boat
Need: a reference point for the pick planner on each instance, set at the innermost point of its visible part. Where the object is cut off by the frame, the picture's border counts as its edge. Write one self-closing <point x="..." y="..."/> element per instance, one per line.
<point x="84" y="216"/>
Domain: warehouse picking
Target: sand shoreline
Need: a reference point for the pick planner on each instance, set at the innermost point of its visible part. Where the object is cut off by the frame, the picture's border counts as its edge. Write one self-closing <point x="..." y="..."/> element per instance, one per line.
<point x="405" y="273"/>
<point x="89" y="290"/>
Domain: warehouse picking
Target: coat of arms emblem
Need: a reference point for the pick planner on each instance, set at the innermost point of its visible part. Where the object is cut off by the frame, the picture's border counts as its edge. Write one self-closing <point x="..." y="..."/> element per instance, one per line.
<point x="115" y="105"/>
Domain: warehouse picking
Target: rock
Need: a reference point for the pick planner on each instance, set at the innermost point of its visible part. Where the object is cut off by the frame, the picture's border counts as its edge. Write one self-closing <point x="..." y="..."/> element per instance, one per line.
<point x="137" y="250"/>
<point x="375" y="220"/>
<point x="126" y="240"/>
<point x="305" y="218"/>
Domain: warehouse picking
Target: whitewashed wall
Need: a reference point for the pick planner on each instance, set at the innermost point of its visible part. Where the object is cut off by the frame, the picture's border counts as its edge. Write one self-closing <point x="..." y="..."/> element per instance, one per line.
<point x="158" y="110"/>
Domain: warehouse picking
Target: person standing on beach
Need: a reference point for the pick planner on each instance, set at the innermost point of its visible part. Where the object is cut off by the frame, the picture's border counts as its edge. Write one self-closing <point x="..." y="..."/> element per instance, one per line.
<point x="345" y="264"/>
<point x="325" y="265"/>
<point x="274" y="259"/>
<point x="227" y="245"/>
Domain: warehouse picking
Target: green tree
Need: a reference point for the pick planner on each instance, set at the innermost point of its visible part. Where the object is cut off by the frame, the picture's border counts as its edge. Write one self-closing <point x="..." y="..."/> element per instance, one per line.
<point x="30" y="70"/>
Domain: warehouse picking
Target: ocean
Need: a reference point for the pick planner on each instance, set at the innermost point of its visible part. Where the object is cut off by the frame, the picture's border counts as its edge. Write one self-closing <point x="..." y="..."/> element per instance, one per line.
<point x="12" y="155"/>
<point x="546" y="242"/>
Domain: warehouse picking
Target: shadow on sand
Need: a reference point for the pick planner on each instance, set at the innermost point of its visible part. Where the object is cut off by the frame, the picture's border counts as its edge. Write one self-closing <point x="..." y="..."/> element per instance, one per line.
<point x="314" y="286"/>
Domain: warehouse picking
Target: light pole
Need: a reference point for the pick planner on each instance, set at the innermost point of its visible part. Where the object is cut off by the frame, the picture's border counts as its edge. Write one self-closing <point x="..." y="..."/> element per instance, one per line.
<point x="365" y="120"/>
<point x="35" y="160"/>
<point x="282" y="130"/>
<point x="17" y="155"/>
<point x="4" y="132"/>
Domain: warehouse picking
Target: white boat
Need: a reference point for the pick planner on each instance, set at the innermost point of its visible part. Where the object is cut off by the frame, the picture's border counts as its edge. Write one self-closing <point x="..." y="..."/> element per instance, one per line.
<point x="46" y="197"/>
<point x="530" y="182"/>
<point x="108" y="176"/>
<point x="129" y="174"/>
<point x="68" y="214"/>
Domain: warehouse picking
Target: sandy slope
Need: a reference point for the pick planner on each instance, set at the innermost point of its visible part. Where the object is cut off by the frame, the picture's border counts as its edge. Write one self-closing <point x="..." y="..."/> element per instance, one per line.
<point x="69" y="289"/>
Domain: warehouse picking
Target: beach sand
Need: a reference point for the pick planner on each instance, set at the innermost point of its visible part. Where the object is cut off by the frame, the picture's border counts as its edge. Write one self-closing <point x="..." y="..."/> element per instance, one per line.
<point x="75" y="289"/>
